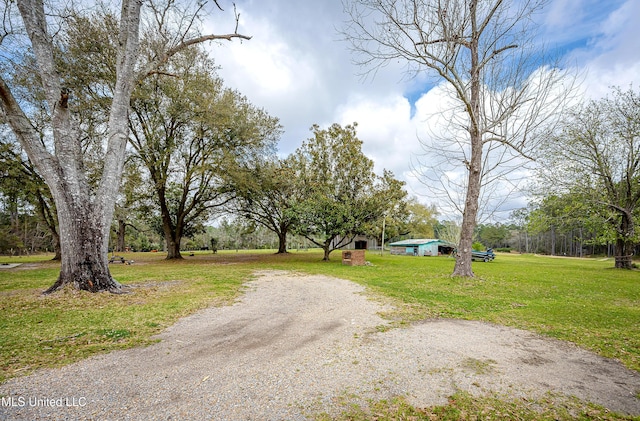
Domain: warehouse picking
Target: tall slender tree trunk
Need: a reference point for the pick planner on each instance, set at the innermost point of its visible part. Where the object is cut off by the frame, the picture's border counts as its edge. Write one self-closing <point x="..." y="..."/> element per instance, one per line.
<point x="48" y="216"/>
<point x="56" y="246"/>
<point x="122" y="228"/>
<point x="581" y="243"/>
<point x="463" y="262"/>
<point x="474" y="166"/>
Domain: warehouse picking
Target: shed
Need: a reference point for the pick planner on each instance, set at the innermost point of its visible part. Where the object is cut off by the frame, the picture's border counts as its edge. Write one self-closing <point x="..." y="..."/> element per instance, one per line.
<point x="422" y="247"/>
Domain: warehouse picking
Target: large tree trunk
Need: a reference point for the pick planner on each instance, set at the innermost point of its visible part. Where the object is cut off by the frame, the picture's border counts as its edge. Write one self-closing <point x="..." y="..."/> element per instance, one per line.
<point x="623" y="257"/>
<point x="282" y="241"/>
<point x="172" y="241"/>
<point x="84" y="252"/>
<point x="84" y="216"/>
<point x="463" y="261"/>
<point x="172" y="232"/>
<point x="81" y="218"/>
<point x="624" y="247"/>
<point x="173" y="248"/>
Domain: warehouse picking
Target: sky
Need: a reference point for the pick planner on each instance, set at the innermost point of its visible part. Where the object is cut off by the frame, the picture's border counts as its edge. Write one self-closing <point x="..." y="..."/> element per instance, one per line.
<point x="298" y="68"/>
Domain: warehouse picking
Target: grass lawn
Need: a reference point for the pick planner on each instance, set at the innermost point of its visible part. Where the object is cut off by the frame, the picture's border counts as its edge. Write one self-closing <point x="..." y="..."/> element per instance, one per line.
<point x="57" y="329"/>
<point x="585" y="301"/>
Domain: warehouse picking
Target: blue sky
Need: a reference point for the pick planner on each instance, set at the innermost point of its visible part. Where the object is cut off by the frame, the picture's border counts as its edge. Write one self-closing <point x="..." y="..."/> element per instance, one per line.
<point x="297" y="69"/>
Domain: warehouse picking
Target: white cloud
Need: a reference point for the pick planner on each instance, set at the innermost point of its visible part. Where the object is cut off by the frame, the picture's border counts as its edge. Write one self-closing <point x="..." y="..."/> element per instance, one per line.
<point x="611" y="57"/>
<point x="382" y="125"/>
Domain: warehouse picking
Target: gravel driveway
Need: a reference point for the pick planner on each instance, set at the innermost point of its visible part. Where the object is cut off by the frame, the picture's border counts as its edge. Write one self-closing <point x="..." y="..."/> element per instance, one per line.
<point x="293" y="345"/>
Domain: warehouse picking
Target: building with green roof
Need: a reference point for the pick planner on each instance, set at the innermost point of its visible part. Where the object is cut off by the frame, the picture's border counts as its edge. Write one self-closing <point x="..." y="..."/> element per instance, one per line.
<point x="422" y="247"/>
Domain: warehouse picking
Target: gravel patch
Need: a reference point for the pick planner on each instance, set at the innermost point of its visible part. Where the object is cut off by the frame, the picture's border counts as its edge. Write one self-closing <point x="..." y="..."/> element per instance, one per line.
<point x="294" y="346"/>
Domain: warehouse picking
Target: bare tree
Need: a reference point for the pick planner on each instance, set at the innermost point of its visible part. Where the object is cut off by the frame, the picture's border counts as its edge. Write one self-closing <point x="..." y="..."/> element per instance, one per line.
<point x="85" y="212"/>
<point x="484" y="53"/>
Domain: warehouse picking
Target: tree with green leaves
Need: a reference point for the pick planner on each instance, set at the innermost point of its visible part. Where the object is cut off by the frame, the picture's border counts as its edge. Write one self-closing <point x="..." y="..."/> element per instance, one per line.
<point x="340" y="196"/>
<point x="422" y="219"/>
<point x="448" y="231"/>
<point x="392" y="201"/>
<point x="131" y="206"/>
<point x="597" y="154"/>
<point x="85" y="208"/>
<point x="493" y="235"/>
<point x="189" y="132"/>
<point x="564" y="223"/>
<point x="20" y="183"/>
<point x="265" y="193"/>
<point x="519" y="218"/>
<point x="549" y="216"/>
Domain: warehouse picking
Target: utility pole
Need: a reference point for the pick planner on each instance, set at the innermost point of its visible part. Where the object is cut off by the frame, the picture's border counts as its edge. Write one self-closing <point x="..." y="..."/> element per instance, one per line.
<point x="384" y="220"/>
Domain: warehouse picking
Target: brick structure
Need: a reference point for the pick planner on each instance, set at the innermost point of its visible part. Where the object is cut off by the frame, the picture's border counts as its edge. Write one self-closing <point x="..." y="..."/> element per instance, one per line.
<point x="353" y="257"/>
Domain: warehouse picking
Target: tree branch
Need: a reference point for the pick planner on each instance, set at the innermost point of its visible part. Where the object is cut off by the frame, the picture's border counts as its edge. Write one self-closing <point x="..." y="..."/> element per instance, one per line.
<point x="21" y="126"/>
<point x="152" y="67"/>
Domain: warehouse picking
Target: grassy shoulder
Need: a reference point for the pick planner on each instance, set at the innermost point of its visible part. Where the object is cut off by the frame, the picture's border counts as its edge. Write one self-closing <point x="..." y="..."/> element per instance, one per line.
<point x="463" y="406"/>
<point x="584" y="301"/>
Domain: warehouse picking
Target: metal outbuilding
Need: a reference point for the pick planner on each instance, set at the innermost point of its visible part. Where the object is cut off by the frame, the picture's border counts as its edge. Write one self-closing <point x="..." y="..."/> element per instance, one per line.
<point x="422" y="247"/>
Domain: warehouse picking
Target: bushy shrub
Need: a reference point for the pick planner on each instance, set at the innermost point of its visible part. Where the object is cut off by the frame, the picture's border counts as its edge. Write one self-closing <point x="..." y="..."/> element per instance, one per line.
<point x="478" y="246"/>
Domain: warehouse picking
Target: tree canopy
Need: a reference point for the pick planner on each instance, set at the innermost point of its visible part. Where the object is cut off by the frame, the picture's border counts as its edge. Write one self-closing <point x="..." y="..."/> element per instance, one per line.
<point x="266" y="193"/>
<point x="340" y="194"/>
<point x="596" y="155"/>
<point x="189" y="132"/>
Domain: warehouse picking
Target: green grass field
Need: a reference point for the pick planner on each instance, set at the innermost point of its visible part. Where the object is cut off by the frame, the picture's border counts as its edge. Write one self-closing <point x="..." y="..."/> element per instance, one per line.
<point x="584" y="301"/>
